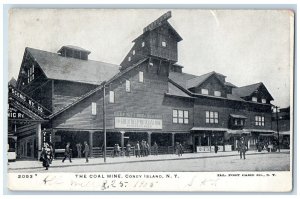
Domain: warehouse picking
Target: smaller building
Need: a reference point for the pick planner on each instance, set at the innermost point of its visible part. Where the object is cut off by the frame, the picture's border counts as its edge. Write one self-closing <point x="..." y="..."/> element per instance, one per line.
<point x="283" y="127"/>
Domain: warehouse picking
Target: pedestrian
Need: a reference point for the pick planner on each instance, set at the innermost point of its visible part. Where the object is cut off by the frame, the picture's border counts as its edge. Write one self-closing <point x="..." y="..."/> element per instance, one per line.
<point x="79" y="148"/>
<point x="242" y="148"/>
<point x="115" y="150"/>
<point x="86" y="151"/>
<point x="128" y="149"/>
<point x="155" y="148"/>
<point x="180" y="149"/>
<point x="137" y="149"/>
<point x="147" y="149"/>
<point x="142" y="148"/>
<point x="216" y="148"/>
<point x="67" y="153"/>
<point x="177" y="148"/>
<point x="118" y="150"/>
<point x="51" y="152"/>
<point x="45" y="157"/>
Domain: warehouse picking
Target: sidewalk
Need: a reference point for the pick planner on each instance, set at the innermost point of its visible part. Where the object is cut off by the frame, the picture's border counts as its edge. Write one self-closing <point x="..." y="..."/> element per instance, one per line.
<point x="32" y="164"/>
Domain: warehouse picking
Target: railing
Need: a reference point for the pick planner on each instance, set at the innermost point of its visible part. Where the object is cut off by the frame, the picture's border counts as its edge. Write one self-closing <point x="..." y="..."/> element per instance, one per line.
<point x="98" y="152"/>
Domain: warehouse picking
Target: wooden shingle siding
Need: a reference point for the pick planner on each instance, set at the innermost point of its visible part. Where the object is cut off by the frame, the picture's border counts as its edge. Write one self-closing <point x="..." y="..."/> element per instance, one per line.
<point x="225" y="108"/>
<point x="65" y="93"/>
<point x="144" y="98"/>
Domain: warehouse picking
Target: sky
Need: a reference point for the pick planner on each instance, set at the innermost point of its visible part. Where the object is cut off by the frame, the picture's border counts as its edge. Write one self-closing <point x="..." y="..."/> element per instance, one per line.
<point x="247" y="46"/>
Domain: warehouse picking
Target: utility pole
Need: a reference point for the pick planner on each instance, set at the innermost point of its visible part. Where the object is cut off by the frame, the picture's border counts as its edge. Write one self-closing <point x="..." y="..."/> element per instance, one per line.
<point x="276" y="107"/>
<point x="104" y="122"/>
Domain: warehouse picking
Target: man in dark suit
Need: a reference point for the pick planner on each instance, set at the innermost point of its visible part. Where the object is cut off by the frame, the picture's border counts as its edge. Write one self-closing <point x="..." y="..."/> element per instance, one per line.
<point x="243" y="148"/>
<point x="67" y="153"/>
<point x="86" y="151"/>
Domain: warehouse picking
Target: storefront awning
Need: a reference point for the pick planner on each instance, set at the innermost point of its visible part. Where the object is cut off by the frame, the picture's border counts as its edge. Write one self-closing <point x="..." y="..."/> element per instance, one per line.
<point x="238" y="116"/>
<point x="238" y="132"/>
<point x="283" y="133"/>
<point x="260" y="130"/>
<point x="208" y="129"/>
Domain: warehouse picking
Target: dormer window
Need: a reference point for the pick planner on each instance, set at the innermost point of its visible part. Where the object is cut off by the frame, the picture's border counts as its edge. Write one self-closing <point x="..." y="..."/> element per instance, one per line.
<point x="217" y="93"/>
<point x="254" y="99"/>
<point x="143" y="44"/>
<point x="164" y="44"/>
<point x="133" y="52"/>
<point x="129" y="58"/>
<point x="263" y="101"/>
<point x="204" y="91"/>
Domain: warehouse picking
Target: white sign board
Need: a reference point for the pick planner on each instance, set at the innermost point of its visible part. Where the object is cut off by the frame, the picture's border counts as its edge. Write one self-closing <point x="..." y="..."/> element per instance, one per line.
<point x="137" y="123"/>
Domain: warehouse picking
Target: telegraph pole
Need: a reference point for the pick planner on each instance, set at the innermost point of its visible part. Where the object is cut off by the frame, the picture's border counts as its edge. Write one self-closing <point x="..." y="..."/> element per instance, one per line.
<point x="276" y="107"/>
<point x="104" y="122"/>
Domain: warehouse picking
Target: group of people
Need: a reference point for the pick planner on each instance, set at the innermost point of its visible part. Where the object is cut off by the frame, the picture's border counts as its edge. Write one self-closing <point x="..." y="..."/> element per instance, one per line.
<point x="178" y="149"/>
<point x="47" y="154"/>
<point x="86" y="151"/>
<point x="142" y="149"/>
<point x="270" y="146"/>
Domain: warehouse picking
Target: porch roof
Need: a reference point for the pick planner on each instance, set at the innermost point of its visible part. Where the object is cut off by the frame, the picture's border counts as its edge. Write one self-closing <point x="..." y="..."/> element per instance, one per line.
<point x="208" y="129"/>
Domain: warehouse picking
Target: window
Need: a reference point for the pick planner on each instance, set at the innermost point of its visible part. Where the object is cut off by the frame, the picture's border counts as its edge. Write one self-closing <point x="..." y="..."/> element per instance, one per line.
<point x="186" y="117"/>
<point x="127" y="86"/>
<point x="133" y="52"/>
<point x="94" y="108"/>
<point x="211" y="117"/>
<point x="143" y="44"/>
<point x="217" y="93"/>
<point x="204" y="91"/>
<point x="30" y="74"/>
<point x="111" y="96"/>
<point x="141" y="76"/>
<point x="263" y="101"/>
<point x="175" y="116"/>
<point x="254" y="99"/>
<point x="164" y="44"/>
<point x="259" y="121"/>
<point x="180" y="117"/>
<point x="129" y="58"/>
<point x="151" y="64"/>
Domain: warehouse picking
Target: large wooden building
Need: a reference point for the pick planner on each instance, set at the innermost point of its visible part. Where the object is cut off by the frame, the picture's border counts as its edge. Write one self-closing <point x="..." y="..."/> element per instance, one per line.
<point x="147" y="97"/>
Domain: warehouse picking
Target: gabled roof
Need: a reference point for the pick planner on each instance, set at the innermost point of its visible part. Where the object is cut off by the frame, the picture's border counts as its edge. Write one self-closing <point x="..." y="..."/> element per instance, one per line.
<point x="65" y="68"/>
<point x="175" y="91"/>
<point x="230" y="84"/>
<point x="248" y="90"/>
<point x="198" y="80"/>
<point x="181" y="78"/>
<point x="161" y="21"/>
<point x="245" y="90"/>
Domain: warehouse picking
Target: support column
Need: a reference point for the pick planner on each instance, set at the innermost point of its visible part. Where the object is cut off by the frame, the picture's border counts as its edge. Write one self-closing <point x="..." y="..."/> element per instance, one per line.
<point x="209" y="142"/>
<point x="91" y="133"/>
<point x="173" y="142"/>
<point x="39" y="139"/>
<point x="248" y="143"/>
<point x="122" y="140"/>
<point x="149" y="141"/>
